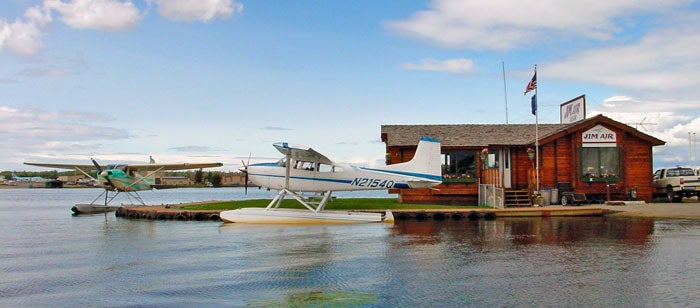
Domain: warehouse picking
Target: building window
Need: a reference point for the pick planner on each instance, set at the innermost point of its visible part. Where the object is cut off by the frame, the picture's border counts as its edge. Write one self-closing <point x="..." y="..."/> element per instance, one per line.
<point x="492" y="161"/>
<point x="458" y="166"/>
<point x="600" y="164"/>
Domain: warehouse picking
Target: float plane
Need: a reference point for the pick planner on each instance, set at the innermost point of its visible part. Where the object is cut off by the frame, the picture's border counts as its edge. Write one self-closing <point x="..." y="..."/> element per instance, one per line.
<point x="120" y="178"/>
<point x="305" y="170"/>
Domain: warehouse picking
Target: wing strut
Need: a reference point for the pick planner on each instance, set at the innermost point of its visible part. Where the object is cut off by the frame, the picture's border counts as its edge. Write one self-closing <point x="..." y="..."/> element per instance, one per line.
<point x="309" y="204"/>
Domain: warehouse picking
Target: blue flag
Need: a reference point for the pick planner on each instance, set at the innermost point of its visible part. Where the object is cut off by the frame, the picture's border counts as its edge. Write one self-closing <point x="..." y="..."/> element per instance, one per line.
<point x="533" y="103"/>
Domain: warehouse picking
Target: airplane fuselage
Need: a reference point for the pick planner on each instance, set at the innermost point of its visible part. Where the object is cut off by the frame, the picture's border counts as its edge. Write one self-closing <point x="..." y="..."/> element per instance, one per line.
<point x="336" y="177"/>
<point x="123" y="181"/>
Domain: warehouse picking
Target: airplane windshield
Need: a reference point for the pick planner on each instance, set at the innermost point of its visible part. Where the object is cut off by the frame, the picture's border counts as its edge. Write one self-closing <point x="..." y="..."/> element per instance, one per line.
<point x="117" y="167"/>
<point x="281" y="163"/>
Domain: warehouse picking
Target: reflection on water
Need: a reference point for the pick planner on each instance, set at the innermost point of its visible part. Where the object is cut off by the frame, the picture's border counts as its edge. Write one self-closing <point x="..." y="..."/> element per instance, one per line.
<point x="52" y="258"/>
<point x="524" y="231"/>
<point x="553" y="261"/>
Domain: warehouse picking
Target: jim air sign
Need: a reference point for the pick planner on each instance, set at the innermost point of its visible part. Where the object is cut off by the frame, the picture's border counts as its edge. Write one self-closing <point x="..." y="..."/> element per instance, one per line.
<point x="599" y="136"/>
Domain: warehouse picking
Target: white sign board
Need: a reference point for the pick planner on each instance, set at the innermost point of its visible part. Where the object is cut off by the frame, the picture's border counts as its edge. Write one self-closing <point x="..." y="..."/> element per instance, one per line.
<point x="599" y="136"/>
<point x="573" y="110"/>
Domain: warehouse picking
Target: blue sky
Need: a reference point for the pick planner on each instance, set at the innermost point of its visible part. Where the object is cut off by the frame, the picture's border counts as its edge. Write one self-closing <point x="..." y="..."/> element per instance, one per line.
<point x="221" y="80"/>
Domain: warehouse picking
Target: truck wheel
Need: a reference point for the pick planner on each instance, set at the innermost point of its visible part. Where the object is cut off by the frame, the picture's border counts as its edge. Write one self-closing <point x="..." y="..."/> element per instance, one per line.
<point x="672" y="196"/>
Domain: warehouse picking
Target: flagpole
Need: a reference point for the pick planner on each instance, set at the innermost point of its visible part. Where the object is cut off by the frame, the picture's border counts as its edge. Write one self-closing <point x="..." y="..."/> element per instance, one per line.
<point x="537" y="138"/>
<point x="505" y="91"/>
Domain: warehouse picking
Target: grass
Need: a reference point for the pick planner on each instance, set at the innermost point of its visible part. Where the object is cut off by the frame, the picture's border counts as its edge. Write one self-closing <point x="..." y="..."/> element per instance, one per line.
<point x="334" y="204"/>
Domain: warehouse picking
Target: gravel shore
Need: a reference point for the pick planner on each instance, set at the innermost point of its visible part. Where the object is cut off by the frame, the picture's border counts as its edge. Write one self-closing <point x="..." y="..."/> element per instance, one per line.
<point x="685" y="210"/>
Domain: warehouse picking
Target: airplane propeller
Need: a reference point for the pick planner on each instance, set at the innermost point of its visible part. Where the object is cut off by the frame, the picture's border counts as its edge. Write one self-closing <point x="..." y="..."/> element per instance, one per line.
<point x="104" y="174"/>
<point x="245" y="170"/>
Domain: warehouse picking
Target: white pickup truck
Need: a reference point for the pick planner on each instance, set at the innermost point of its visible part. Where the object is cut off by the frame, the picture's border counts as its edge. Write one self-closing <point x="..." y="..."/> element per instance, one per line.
<point x="677" y="183"/>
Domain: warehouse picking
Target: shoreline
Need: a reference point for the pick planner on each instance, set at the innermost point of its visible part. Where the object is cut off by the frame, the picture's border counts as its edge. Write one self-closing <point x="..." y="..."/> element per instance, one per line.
<point x="160" y="212"/>
<point x="689" y="211"/>
<point x="656" y="210"/>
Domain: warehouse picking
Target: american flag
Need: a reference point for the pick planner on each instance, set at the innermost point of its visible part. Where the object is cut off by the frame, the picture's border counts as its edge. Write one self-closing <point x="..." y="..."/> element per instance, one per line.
<point x="532" y="85"/>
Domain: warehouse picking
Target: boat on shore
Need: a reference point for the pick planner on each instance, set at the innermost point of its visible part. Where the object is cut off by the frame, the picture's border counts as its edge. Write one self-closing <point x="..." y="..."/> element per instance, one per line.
<point x="301" y="216"/>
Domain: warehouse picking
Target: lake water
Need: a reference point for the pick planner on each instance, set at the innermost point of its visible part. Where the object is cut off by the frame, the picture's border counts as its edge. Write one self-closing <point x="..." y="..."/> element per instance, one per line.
<point x="50" y="258"/>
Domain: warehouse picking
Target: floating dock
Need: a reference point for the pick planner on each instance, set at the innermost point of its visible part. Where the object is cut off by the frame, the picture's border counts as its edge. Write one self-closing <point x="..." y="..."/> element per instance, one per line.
<point x="164" y="213"/>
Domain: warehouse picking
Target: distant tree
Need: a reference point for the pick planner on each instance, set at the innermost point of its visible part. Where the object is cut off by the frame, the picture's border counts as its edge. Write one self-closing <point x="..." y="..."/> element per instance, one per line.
<point x="47" y="174"/>
<point x="198" y="177"/>
<point x="214" y="178"/>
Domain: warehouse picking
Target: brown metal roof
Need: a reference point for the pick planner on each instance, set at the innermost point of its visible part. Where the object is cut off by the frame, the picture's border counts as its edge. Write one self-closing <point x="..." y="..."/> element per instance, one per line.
<point x="483" y="135"/>
<point x="478" y="135"/>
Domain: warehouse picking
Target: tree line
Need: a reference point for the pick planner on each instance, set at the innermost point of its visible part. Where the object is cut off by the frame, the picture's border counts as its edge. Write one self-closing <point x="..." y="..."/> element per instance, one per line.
<point x="200" y="177"/>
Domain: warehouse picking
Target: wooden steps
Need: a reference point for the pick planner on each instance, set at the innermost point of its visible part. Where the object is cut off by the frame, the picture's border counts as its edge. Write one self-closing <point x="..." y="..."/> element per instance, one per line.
<point x="517" y="198"/>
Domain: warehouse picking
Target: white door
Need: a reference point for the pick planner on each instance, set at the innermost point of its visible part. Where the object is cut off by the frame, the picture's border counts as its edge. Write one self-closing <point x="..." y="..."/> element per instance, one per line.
<point x="505" y="166"/>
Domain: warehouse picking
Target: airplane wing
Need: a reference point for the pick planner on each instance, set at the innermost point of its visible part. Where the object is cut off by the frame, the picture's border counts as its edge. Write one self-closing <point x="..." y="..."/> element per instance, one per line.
<point x="64" y="166"/>
<point x="302" y="153"/>
<point x="183" y="166"/>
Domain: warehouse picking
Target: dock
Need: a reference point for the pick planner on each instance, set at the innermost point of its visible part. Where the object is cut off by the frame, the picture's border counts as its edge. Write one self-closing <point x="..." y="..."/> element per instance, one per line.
<point x="166" y="213"/>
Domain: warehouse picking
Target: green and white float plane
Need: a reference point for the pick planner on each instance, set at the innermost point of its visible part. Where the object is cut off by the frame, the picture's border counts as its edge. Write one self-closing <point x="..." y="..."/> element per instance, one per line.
<point x="119" y="178"/>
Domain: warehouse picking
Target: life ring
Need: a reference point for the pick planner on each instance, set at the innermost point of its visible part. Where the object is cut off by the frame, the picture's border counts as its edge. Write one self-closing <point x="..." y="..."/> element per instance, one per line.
<point x="439" y="216"/>
<point x="200" y="216"/>
<point x="473" y="215"/>
<point x="421" y="216"/>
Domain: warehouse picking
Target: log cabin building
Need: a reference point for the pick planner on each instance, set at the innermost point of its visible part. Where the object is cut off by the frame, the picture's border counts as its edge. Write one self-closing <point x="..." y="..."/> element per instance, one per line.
<point x="598" y="157"/>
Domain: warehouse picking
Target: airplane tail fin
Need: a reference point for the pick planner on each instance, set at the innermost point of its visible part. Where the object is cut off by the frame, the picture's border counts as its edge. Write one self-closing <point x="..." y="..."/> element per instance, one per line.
<point x="426" y="163"/>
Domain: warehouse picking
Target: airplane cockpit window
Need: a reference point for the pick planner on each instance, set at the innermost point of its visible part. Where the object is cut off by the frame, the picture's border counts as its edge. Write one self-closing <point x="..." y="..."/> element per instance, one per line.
<point x="307" y="166"/>
<point x="329" y="168"/>
<point x="325" y="168"/>
<point x="304" y="165"/>
<point x="282" y="162"/>
<point x="117" y="167"/>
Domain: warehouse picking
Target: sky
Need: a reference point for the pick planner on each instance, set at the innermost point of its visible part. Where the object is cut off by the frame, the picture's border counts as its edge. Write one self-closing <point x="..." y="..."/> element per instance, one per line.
<point x="221" y="80"/>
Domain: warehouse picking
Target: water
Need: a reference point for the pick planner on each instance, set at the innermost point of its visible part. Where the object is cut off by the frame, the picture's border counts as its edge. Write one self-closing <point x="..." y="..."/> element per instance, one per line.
<point x="50" y="258"/>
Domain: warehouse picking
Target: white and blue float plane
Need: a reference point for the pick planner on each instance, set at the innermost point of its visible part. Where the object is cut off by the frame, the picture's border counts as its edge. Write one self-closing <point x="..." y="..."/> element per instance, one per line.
<point x="120" y="178"/>
<point x="303" y="170"/>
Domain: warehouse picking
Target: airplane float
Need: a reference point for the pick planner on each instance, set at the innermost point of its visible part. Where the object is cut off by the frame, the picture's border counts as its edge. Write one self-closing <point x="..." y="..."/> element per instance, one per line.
<point x="305" y="170"/>
<point x="120" y="178"/>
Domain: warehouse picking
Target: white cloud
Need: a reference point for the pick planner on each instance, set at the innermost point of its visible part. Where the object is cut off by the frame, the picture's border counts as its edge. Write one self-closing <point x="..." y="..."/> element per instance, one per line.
<point x="108" y="15"/>
<point x="506" y="24"/>
<point x="192" y="148"/>
<point x="275" y="128"/>
<point x="197" y="10"/>
<point x="23" y="36"/>
<point x="22" y="127"/>
<point x="670" y="121"/>
<point x="454" y="66"/>
<point x="666" y="59"/>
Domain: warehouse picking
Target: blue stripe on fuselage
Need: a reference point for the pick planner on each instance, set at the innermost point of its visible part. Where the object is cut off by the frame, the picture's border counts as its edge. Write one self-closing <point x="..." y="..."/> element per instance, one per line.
<point x="265" y="165"/>
<point x="342" y="181"/>
<point x="418" y="175"/>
